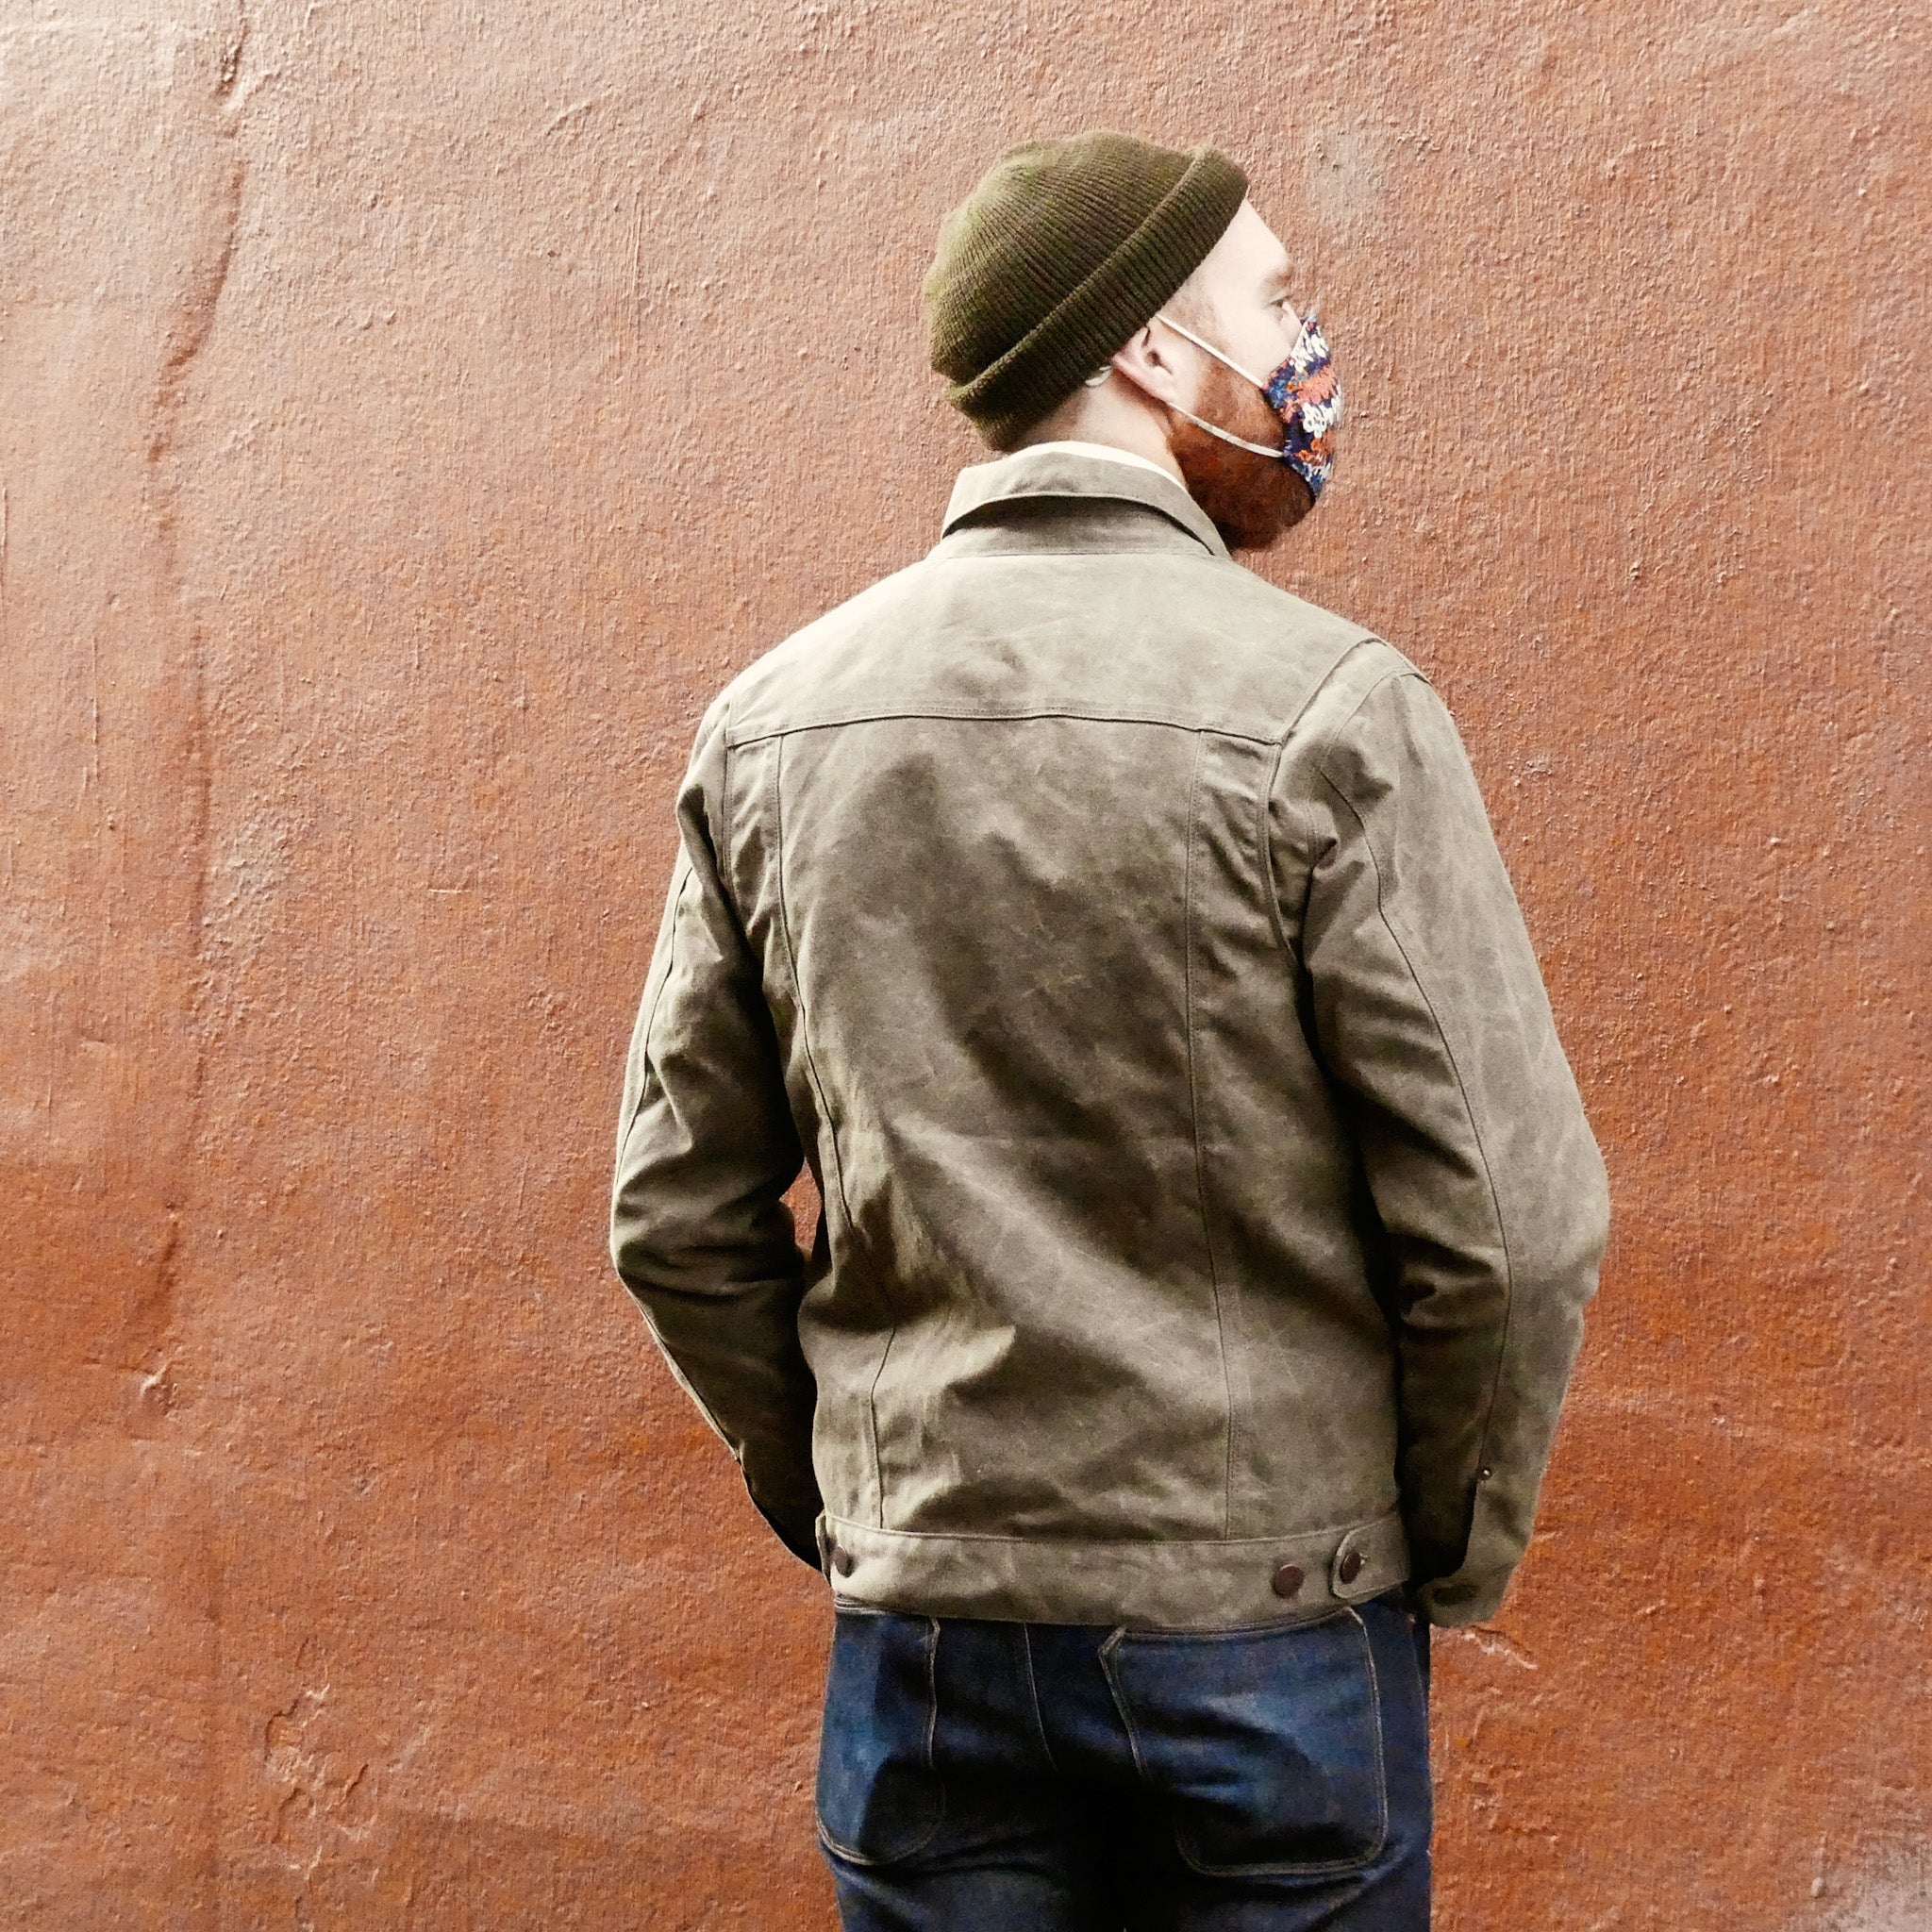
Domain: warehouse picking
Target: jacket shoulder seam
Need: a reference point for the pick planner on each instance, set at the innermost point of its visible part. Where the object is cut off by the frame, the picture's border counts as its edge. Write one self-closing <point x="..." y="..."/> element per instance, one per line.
<point x="1318" y="761"/>
<point x="725" y="812"/>
<point x="1391" y="673"/>
<point x="681" y="873"/>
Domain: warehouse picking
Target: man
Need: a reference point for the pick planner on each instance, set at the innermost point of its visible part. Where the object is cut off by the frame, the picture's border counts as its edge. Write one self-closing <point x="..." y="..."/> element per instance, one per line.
<point x="1208" y="1209"/>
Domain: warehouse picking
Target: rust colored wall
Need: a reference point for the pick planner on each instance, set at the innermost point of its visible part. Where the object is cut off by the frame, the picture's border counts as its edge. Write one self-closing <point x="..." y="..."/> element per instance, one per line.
<point x="408" y="417"/>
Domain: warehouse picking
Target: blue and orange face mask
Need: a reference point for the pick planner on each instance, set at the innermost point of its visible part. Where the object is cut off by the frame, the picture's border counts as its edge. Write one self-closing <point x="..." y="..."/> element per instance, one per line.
<point x="1305" y="393"/>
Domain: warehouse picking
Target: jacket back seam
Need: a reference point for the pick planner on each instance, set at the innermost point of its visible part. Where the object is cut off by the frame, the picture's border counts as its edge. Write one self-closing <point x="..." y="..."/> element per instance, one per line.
<point x="825" y="1114"/>
<point x="1194" y="1124"/>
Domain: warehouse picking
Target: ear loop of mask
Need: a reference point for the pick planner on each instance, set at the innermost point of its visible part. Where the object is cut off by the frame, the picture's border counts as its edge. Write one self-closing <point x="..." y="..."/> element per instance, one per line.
<point x="1260" y="449"/>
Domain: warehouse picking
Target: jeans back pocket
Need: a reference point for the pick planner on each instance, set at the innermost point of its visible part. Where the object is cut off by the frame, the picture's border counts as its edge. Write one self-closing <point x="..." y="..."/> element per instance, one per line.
<point x="1264" y="1747"/>
<point x="878" y="1797"/>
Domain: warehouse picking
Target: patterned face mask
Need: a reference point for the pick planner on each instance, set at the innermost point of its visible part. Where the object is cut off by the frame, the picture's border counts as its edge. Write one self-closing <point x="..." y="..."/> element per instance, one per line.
<point x="1305" y="393"/>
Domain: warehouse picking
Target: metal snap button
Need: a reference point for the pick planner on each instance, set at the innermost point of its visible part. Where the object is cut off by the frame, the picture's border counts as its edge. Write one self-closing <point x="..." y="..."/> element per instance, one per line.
<point x="1287" y="1580"/>
<point x="1350" y="1567"/>
<point x="844" y="1561"/>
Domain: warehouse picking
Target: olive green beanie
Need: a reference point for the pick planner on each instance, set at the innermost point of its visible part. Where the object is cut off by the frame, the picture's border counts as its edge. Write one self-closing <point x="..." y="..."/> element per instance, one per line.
<point x="1064" y="249"/>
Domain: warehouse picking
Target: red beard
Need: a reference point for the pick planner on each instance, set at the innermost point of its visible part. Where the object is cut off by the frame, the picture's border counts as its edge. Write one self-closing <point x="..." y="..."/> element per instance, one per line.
<point x="1250" y="499"/>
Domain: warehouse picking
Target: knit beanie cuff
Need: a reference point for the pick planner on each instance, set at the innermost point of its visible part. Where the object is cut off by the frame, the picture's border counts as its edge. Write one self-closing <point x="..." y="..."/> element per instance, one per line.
<point x="1121" y="295"/>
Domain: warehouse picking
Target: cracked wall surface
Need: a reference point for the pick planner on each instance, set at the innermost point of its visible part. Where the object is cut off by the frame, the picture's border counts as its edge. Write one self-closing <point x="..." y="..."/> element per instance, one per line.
<point x="409" y="418"/>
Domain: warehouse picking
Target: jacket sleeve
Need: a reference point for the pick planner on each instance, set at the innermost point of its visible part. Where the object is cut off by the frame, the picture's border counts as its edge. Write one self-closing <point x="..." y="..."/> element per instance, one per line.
<point x="705" y="1148"/>
<point x="1431" y="1016"/>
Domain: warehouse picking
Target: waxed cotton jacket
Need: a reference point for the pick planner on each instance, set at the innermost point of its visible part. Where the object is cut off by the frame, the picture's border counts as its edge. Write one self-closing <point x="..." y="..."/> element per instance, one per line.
<point x="1208" y="1208"/>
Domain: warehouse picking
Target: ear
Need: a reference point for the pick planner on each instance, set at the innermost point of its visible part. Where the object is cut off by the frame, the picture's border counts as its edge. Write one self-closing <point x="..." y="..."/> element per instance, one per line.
<point x="1147" y="359"/>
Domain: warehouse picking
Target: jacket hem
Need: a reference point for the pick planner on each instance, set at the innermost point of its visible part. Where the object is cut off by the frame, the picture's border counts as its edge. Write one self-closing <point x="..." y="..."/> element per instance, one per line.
<point x="1160" y="1585"/>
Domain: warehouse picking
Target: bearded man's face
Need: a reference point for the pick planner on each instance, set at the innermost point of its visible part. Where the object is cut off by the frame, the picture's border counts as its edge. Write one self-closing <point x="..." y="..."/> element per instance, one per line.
<point x="1250" y="499"/>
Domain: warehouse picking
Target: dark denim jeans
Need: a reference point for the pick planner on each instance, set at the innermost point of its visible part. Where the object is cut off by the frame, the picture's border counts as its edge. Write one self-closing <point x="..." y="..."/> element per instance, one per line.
<point x="1046" y="1777"/>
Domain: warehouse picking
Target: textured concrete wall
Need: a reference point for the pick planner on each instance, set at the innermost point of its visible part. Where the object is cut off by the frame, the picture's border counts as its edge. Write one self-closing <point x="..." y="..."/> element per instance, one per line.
<point x="408" y="416"/>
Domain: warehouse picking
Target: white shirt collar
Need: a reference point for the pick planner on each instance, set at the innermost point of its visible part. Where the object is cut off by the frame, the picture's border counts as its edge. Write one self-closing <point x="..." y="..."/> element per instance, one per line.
<point x="1101" y="449"/>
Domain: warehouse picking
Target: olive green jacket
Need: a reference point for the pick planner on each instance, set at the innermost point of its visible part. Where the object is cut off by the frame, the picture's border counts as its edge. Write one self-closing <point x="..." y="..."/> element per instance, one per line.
<point x="1208" y="1207"/>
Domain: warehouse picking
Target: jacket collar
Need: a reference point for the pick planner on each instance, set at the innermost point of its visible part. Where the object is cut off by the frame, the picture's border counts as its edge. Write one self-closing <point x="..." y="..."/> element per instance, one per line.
<point x="1050" y="472"/>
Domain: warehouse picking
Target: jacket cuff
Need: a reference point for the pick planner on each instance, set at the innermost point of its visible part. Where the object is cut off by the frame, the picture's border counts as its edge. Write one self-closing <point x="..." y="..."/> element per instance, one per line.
<point x="1499" y="1530"/>
<point x="1453" y="1601"/>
